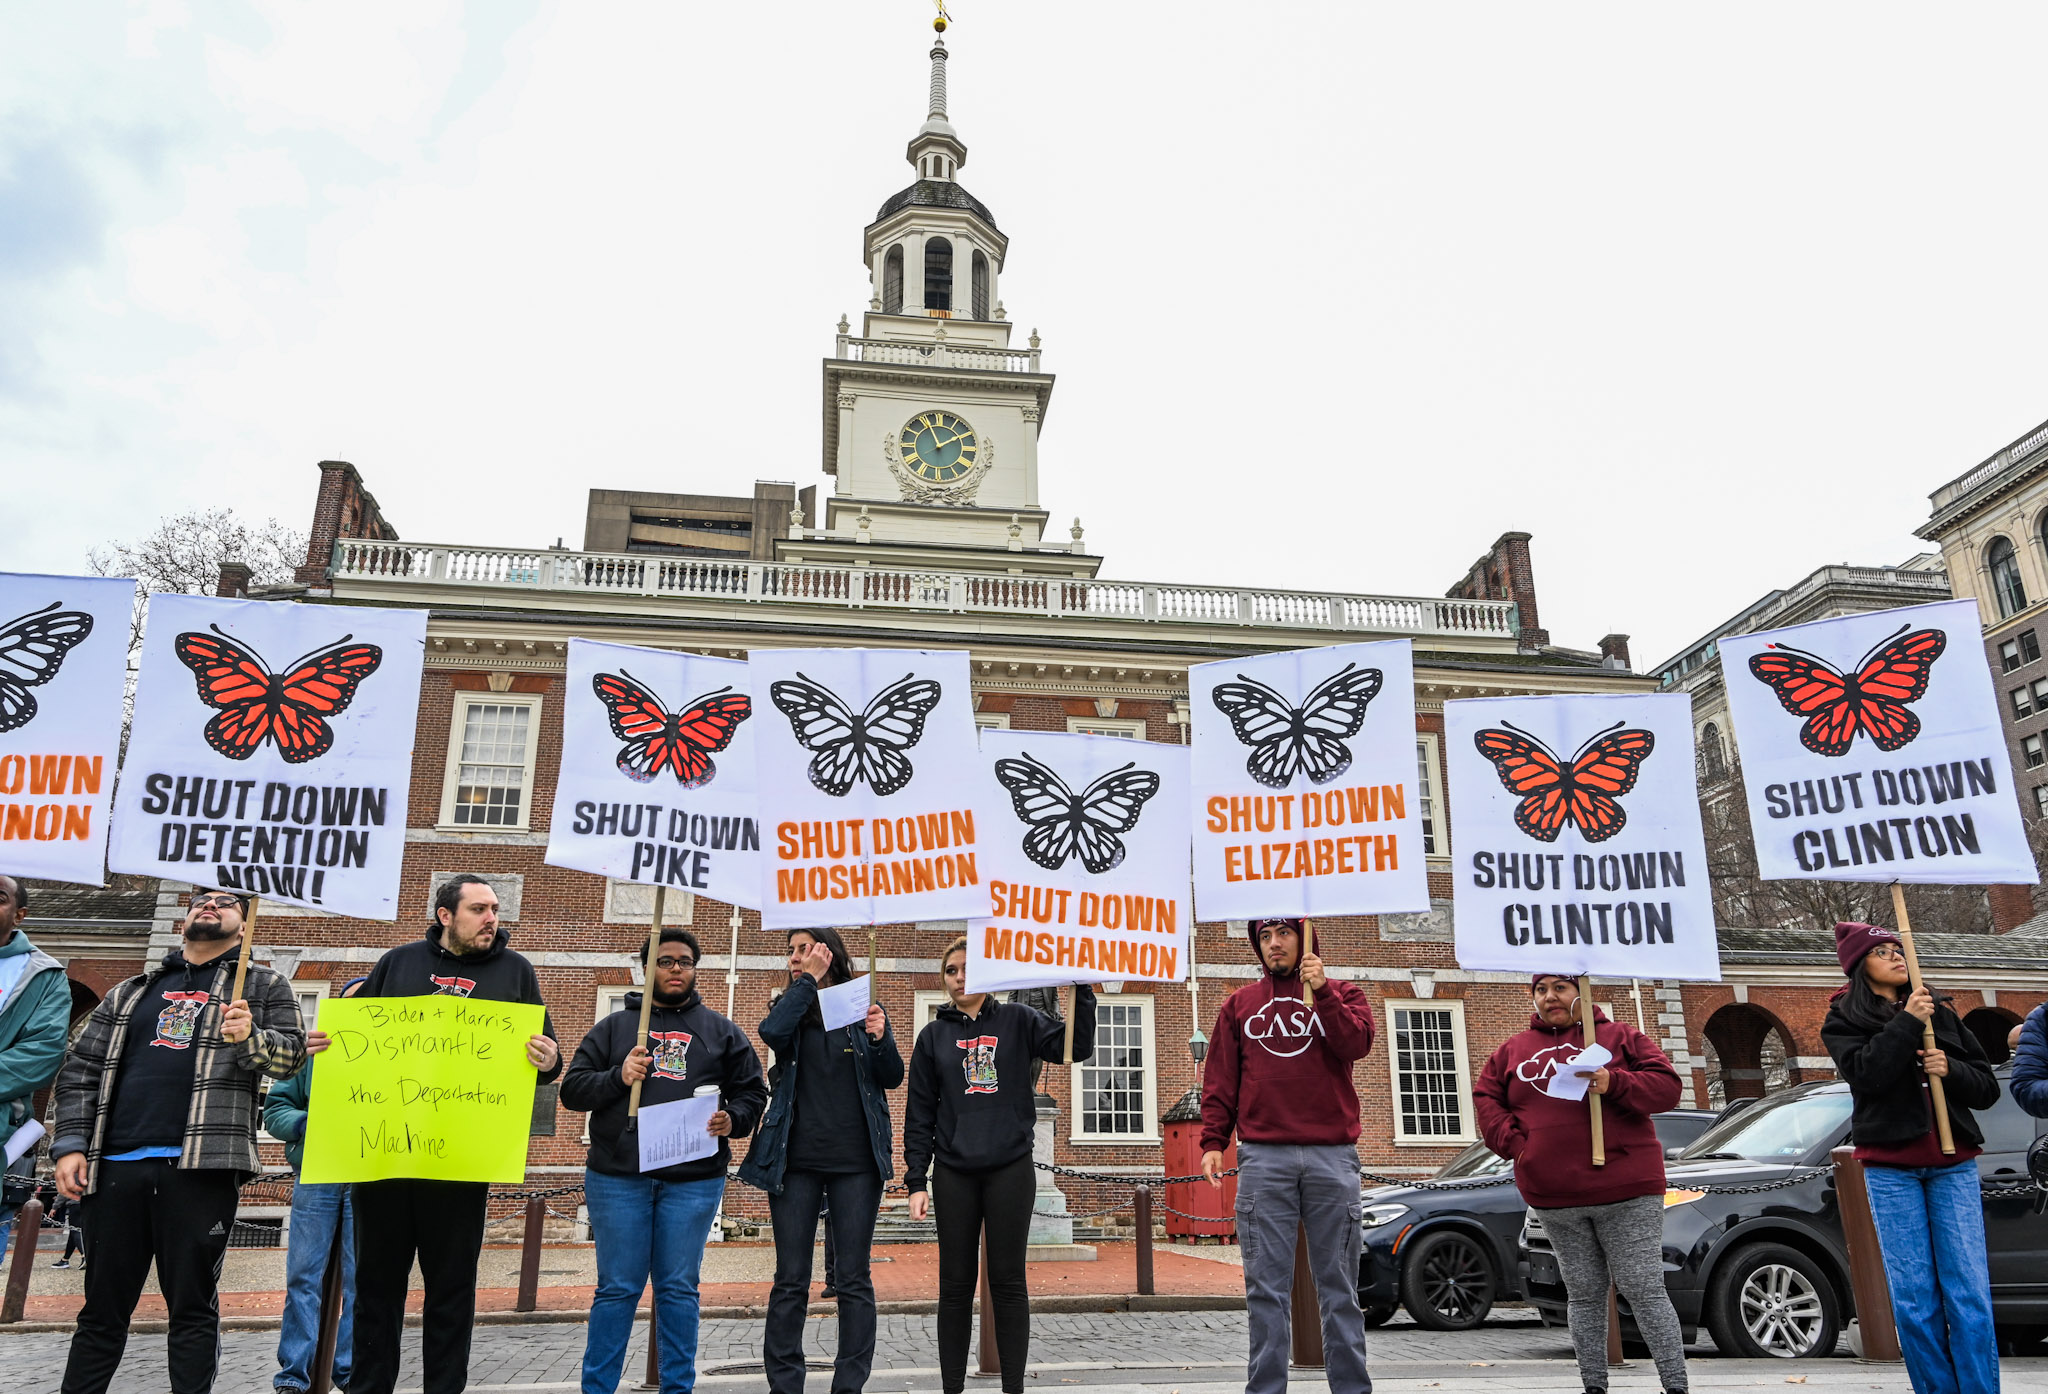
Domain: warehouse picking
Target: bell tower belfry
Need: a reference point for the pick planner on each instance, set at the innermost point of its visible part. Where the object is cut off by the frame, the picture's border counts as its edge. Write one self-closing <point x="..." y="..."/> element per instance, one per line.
<point x="931" y="413"/>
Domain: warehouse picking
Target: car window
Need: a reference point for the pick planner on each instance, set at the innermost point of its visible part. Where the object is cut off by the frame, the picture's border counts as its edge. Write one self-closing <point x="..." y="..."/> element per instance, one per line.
<point x="1476" y="1160"/>
<point x="1782" y="1128"/>
<point x="2006" y="1127"/>
<point x="1679" y="1129"/>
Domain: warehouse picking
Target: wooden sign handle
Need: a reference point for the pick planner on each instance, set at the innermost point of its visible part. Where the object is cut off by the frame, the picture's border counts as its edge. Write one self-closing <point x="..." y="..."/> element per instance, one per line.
<point x="1308" y="946"/>
<point x="647" y="993"/>
<point x="871" y="961"/>
<point x="1592" y="1099"/>
<point x="1934" y="1089"/>
<point x="248" y="938"/>
<point x="1068" y="1057"/>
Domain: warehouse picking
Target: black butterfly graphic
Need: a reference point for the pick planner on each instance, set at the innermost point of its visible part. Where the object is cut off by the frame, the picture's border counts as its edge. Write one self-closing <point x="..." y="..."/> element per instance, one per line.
<point x="851" y="748"/>
<point x="1286" y="739"/>
<point x="1063" y="824"/>
<point x="32" y="649"/>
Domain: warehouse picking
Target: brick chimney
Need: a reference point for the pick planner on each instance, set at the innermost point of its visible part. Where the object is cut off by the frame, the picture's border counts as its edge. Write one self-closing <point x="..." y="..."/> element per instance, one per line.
<point x="1505" y="573"/>
<point x="344" y="508"/>
<point x="1614" y="652"/>
<point x="234" y="580"/>
<point x="2011" y="907"/>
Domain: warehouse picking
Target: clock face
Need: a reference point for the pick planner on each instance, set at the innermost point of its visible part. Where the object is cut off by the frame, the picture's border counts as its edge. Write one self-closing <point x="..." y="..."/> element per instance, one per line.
<point x="939" y="447"/>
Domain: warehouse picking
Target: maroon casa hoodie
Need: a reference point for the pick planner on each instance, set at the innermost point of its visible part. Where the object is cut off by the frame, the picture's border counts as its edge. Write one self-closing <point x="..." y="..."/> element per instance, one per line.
<point x="1551" y="1140"/>
<point x="1278" y="1072"/>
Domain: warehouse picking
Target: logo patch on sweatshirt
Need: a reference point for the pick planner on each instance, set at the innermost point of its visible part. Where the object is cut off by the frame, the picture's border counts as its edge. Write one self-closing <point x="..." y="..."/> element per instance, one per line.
<point x="452" y="987"/>
<point x="979" y="1063"/>
<point x="669" y="1054"/>
<point x="1538" y="1068"/>
<point x="179" y="1019"/>
<point x="1284" y="1027"/>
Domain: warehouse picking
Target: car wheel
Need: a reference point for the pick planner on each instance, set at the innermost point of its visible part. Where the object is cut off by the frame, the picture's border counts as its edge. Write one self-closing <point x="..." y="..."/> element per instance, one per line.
<point x="1447" y="1282"/>
<point x="1376" y="1314"/>
<point x="1772" y="1300"/>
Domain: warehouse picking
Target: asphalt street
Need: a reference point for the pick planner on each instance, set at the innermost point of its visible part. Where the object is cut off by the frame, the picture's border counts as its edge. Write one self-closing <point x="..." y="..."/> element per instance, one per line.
<point x="1145" y="1353"/>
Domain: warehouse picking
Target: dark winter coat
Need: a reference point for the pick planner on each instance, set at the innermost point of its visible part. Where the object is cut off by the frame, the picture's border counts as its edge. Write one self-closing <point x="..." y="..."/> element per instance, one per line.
<point x="424" y="969"/>
<point x="877" y="1065"/>
<point x="2029" y="1078"/>
<point x="1882" y="1070"/>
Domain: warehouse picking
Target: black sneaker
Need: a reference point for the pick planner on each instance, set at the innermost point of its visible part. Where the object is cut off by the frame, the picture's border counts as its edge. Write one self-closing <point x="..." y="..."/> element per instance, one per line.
<point x="61" y="1263"/>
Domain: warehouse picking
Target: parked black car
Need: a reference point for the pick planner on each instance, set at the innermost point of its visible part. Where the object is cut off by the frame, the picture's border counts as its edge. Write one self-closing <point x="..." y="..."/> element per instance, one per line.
<point x="1767" y="1274"/>
<point x="1448" y="1256"/>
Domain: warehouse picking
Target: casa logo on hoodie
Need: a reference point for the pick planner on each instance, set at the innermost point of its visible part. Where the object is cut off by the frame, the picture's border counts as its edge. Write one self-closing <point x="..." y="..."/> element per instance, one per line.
<point x="980" y="1063"/>
<point x="1538" y="1068"/>
<point x="671" y="1054"/>
<point x="1285" y="1026"/>
<point x="179" y="1019"/>
<point x="452" y="987"/>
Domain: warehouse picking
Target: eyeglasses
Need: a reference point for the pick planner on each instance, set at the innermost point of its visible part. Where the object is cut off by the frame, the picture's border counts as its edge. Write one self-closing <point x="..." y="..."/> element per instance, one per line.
<point x="214" y="902"/>
<point x="1889" y="951"/>
<point x="671" y="964"/>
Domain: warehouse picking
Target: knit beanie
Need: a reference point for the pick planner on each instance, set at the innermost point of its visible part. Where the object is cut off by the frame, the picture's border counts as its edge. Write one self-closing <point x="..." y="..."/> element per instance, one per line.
<point x="1251" y="930"/>
<point x="1536" y="979"/>
<point x="1853" y="941"/>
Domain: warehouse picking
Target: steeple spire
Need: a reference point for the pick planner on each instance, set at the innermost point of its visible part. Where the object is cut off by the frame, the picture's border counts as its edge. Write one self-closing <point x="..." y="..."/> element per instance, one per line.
<point x="936" y="151"/>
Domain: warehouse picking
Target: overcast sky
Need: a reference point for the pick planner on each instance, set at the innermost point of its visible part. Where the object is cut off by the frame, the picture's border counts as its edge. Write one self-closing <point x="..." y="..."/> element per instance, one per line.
<point x="1702" y="297"/>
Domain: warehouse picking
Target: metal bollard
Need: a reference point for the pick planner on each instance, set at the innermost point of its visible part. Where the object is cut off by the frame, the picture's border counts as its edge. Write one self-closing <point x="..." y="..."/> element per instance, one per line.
<point x="1307" y="1313"/>
<point x="28" y="1229"/>
<point x="651" y="1378"/>
<point x="529" y="1258"/>
<point x="1615" y="1355"/>
<point x="989" y="1360"/>
<point x="1143" y="1199"/>
<point x="1866" y="1261"/>
<point x="332" y="1296"/>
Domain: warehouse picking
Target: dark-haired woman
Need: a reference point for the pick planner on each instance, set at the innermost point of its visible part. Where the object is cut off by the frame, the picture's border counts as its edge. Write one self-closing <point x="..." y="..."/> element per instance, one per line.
<point x="1928" y="1206"/>
<point x="969" y="1121"/>
<point x="825" y="1140"/>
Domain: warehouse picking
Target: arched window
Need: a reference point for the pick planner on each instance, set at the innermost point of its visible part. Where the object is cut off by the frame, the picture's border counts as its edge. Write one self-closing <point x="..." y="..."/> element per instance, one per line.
<point x="1710" y="748"/>
<point x="980" y="284"/>
<point x="892" y="282"/>
<point x="2005" y="576"/>
<point x="938" y="274"/>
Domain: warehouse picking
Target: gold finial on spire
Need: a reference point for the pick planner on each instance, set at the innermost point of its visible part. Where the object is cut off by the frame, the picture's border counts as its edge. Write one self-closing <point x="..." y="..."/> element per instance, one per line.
<point x="944" y="19"/>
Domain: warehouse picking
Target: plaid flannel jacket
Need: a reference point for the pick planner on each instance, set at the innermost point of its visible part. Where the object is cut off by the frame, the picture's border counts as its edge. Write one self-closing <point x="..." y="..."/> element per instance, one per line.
<point x="220" y="1127"/>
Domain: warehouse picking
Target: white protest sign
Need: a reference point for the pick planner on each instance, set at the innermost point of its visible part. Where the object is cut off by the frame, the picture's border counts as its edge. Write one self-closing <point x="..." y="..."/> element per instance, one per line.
<point x="63" y="673"/>
<point x="1304" y="772"/>
<point x="1578" y="837"/>
<point x="845" y="1003"/>
<point x="657" y="774"/>
<point x="866" y="760"/>
<point x="271" y="750"/>
<point x="1872" y="750"/>
<point x="678" y="1131"/>
<point x="1085" y="853"/>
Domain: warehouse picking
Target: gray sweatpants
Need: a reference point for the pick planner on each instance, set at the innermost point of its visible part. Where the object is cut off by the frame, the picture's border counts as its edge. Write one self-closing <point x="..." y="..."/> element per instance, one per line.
<point x="1280" y="1189"/>
<point x="1622" y="1243"/>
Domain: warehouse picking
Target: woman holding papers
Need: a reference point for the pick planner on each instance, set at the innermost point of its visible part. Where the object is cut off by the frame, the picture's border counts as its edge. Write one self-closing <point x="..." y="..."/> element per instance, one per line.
<point x="1606" y="1223"/>
<point x="826" y="1139"/>
<point x="652" y="1223"/>
<point x="1928" y="1204"/>
<point x="969" y="1123"/>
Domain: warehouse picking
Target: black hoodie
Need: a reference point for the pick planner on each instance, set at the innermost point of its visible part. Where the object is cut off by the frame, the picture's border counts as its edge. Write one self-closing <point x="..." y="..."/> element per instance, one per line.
<point x="154" y="1090"/>
<point x="694" y="1046"/>
<point x="971" y="1104"/>
<point x="424" y="969"/>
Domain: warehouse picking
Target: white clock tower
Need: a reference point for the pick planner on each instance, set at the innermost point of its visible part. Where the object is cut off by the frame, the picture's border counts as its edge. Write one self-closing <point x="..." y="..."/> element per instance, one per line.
<point x="931" y="414"/>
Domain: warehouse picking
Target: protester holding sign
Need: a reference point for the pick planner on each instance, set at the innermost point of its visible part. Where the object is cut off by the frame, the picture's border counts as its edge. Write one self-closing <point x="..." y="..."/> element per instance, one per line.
<point x="1279" y="1076"/>
<point x="1607" y="1222"/>
<point x="441" y="1223"/>
<point x="652" y="1221"/>
<point x="968" y="1127"/>
<point x="1928" y="1205"/>
<point x="156" y="1129"/>
<point x="826" y="1139"/>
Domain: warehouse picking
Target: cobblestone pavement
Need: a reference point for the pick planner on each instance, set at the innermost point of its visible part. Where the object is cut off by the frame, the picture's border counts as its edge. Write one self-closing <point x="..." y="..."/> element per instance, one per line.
<point x="1154" y="1352"/>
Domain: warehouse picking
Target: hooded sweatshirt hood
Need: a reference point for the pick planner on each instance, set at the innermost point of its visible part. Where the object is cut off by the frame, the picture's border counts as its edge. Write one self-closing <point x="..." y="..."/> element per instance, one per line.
<point x="1251" y="934"/>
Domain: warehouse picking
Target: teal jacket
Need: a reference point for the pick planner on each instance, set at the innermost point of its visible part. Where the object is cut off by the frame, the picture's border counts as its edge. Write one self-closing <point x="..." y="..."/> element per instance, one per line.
<point x="284" y="1113"/>
<point x="35" y="1019"/>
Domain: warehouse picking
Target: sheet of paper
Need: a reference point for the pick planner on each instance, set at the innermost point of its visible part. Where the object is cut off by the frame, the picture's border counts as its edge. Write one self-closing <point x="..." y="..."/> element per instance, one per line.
<point x="677" y="1132"/>
<point x="25" y="1137"/>
<point x="1575" y="1075"/>
<point x="845" y="1004"/>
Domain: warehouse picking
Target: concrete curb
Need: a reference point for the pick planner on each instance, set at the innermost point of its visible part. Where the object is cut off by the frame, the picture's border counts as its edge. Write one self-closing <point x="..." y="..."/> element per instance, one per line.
<point x="923" y="1307"/>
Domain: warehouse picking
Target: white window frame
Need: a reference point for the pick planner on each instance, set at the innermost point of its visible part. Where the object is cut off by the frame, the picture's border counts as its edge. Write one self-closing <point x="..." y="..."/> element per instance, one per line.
<point x="1148" y="1018"/>
<point x="610" y="998"/>
<point x="452" y="774"/>
<point x="1122" y="727"/>
<point x="2032" y="752"/>
<point x="924" y="1008"/>
<point x="991" y="721"/>
<point x="2041" y="800"/>
<point x="1436" y="825"/>
<point x="319" y="989"/>
<point x="1456" y="1008"/>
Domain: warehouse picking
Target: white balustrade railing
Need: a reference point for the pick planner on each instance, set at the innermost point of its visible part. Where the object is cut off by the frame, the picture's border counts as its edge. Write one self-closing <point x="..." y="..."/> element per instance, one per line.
<point x="875" y="587"/>
<point x="930" y="355"/>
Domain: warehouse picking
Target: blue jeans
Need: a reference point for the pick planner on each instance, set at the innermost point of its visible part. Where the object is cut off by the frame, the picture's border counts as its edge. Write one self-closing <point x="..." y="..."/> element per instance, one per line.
<point x="1930" y="1226"/>
<point x="645" y="1229"/>
<point x="319" y="1214"/>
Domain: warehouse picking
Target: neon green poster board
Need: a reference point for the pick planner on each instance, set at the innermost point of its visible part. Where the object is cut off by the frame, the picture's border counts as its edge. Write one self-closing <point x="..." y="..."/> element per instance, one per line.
<point x="437" y="1088"/>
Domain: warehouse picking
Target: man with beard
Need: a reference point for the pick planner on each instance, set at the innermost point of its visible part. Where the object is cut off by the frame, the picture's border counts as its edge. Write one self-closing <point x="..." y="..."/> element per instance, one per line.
<point x="1279" y="1075"/>
<point x="654" y="1223"/>
<point x="156" y="1131"/>
<point x="440" y="1223"/>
